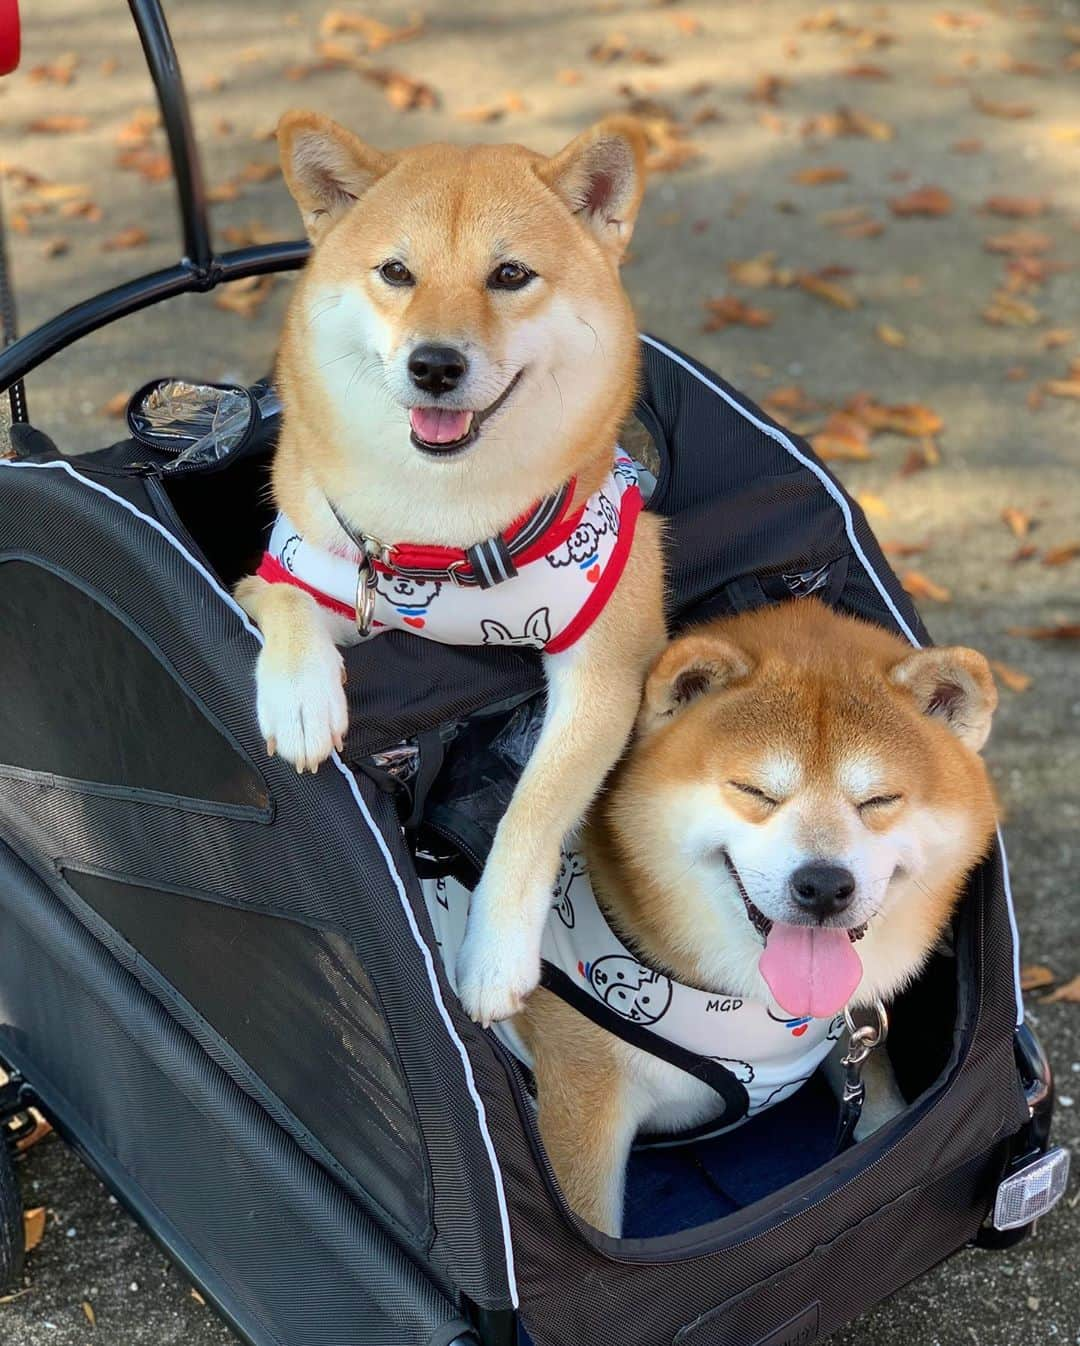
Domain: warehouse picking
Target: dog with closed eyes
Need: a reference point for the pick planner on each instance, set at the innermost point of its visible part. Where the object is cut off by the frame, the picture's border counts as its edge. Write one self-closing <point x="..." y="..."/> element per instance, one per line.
<point x="456" y="361"/>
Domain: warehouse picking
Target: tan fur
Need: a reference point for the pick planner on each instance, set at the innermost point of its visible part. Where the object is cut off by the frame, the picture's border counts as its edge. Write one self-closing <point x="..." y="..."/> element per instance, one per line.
<point x="451" y="214"/>
<point x="797" y="694"/>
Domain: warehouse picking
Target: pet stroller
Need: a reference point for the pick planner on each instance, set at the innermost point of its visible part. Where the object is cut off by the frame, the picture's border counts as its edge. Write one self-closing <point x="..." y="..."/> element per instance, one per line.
<point x="218" y="979"/>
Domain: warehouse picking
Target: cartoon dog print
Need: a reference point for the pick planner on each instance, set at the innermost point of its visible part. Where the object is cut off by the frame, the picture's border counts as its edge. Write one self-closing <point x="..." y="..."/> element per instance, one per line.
<point x="582" y="547"/>
<point x="571" y="867"/>
<point x="786" y="1089"/>
<point x="409" y="597"/>
<point x="742" y="1070"/>
<point x="624" y="470"/>
<point x="631" y="990"/>
<point x="535" y="636"/>
<point x="288" y="552"/>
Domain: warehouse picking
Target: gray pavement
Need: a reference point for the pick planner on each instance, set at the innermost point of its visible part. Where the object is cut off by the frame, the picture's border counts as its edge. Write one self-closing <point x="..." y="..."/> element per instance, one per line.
<point x="929" y="278"/>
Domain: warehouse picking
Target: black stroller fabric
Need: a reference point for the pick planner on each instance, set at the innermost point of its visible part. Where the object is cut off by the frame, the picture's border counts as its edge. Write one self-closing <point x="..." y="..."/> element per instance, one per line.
<point x="250" y="949"/>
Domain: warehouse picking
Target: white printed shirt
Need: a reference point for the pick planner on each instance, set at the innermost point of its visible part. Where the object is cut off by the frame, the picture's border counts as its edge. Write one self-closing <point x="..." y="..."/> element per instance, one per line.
<point x="563" y="579"/>
<point x="767" y="1050"/>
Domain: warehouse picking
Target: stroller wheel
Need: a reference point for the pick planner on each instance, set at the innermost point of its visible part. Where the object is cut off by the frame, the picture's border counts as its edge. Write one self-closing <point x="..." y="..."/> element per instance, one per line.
<point x="12" y="1242"/>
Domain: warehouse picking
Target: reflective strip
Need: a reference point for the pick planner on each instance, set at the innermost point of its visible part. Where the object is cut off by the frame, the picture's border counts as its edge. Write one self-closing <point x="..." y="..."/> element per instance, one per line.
<point x="838" y="497"/>
<point x="436" y="992"/>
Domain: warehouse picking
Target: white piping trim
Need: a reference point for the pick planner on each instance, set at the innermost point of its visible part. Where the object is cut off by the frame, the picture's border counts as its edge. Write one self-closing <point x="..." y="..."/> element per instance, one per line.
<point x="470" y="1081"/>
<point x="849" y="524"/>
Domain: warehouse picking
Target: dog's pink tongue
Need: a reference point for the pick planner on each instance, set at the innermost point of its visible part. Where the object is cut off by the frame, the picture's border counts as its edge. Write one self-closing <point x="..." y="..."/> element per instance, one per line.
<point x="809" y="969"/>
<point x="434" y="425"/>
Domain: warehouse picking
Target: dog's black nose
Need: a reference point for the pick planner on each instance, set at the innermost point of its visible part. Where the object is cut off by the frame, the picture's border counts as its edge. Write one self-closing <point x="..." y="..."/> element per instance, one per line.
<point x="823" y="889"/>
<point x="437" y="369"/>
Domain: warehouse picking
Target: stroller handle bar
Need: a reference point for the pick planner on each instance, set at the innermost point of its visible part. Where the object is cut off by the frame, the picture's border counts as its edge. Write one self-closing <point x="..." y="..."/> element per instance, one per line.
<point x="199" y="270"/>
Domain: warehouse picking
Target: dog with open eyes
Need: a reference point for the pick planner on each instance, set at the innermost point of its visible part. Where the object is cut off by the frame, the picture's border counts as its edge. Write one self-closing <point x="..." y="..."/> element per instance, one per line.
<point x="457" y="359"/>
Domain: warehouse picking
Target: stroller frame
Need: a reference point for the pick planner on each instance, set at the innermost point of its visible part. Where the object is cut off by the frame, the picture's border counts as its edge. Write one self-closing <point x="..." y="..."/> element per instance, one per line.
<point x="489" y="1318"/>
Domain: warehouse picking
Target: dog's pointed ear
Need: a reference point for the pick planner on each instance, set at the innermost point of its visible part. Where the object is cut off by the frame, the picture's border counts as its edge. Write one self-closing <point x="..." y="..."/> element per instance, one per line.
<point x="601" y="177"/>
<point x="689" y="668"/>
<point x="954" y="685"/>
<point x="326" y="167"/>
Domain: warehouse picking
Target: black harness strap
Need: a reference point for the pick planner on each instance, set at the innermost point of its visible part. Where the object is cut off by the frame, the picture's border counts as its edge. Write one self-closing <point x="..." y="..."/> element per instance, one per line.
<point x="486" y="564"/>
<point x="734" y="1097"/>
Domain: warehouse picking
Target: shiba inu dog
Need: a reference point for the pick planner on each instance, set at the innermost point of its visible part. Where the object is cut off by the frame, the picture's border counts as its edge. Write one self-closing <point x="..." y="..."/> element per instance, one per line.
<point x="456" y="362"/>
<point x="788" y="833"/>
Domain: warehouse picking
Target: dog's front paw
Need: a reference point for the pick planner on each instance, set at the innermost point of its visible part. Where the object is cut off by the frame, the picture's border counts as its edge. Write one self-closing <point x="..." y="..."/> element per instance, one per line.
<point x="301" y="705"/>
<point x="498" y="966"/>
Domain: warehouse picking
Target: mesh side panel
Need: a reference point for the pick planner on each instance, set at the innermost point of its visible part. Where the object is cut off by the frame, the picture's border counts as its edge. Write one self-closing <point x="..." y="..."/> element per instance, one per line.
<point x="291" y="1260"/>
<point x="320" y="861"/>
<point x="311" y="1017"/>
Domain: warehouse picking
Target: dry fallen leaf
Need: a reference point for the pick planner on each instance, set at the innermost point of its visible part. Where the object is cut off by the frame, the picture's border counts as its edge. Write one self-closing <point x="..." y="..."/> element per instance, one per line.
<point x="1018" y="521"/>
<point x="1055" y="338"/>
<point x="818" y="285"/>
<point x="905" y="548"/>
<point x="246" y="296"/>
<point x="56" y="246"/>
<point x="920" y="586"/>
<point x="842" y="439"/>
<point x="59" y="123"/>
<point x="373" y="33"/>
<point x="919" y="458"/>
<point x="254" y="171"/>
<point x="767" y="89"/>
<point x="904" y="418"/>
<point x="1006" y="310"/>
<point x="863" y="70"/>
<point x="931" y="201"/>
<point x="246" y="235"/>
<point x="492" y="112"/>
<point x="1034" y="975"/>
<point x="1016" y="207"/>
<point x="1058" y="556"/>
<point x="820" y="175"/>
<point x="1010" y="677"/>
<point x="1058" y="631"/>
<point x="953" y="21"/>
<point x="668" y="149"/>
<point x="756" y="272"/>
<point x="788" y="399"/>
<point x="197" y="1297"/>
<point x="132" y="237"/>
<point x="1062" y="387"/>
<point x="81" y="210"/>
<point x="116" y="406"/>
<point x="1069" y="993"/>
<point x="847" y="121"/>
<point x="88" y="1312"/>
<point x="890" y="336"/>
<point x="60" y="71"/>
<point x="150" y="166"/>
<point x="687" y="24"/>
<point x="33" y="1227"/>
<point x="970" y="145"/>
<point x="401" y="91"/>
<point x="1020" y="242"/>
<point x="872" y="505"/>
<point x="569" y="77"/>
<point x="729" y="310"/>
<point x="991" y="107"/>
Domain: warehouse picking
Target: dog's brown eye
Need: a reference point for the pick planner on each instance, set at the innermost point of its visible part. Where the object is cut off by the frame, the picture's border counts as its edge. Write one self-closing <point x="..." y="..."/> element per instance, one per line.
<point x="879" y="802"/>
<point x="396" y="273"/>
<point x="754" y="793"/>
<point x="509" y="276"/>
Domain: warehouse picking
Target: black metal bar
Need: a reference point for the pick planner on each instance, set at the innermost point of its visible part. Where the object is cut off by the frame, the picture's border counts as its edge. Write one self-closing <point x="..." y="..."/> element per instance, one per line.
<point x="176" y="115"/>
<point x="9" y="327"/>
<point x="78" y="321"/>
